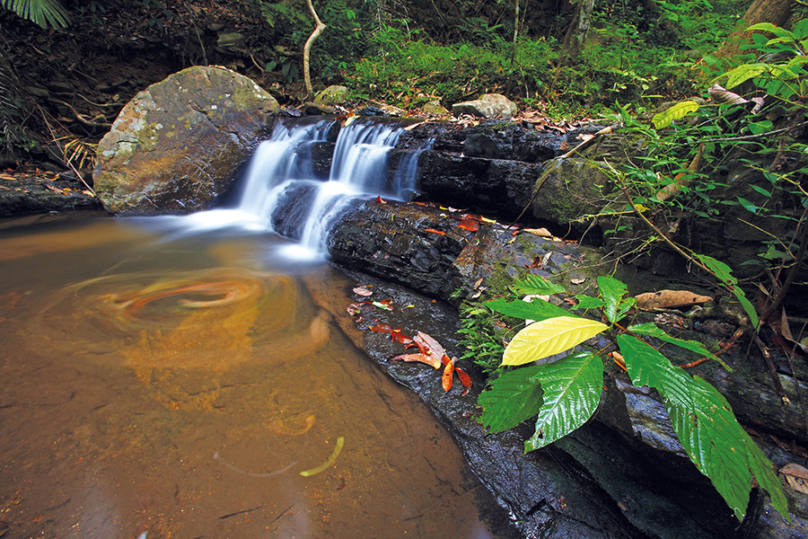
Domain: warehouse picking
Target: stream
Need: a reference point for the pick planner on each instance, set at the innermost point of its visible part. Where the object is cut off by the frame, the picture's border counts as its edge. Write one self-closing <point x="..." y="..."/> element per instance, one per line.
<point x="161" y="387"/>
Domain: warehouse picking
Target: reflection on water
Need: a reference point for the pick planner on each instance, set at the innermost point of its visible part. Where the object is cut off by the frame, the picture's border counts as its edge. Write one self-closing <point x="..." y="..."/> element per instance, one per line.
<point x="180" y="389"/>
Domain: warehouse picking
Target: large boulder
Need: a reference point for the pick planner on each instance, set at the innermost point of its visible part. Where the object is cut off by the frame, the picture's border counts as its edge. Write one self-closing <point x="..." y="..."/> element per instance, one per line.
<point x="177" y="145"/>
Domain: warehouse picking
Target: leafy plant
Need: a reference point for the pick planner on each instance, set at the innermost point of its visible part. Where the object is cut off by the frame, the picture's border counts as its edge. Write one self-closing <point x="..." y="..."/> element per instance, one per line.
<point x="45" y="13"/>
<point x="565" y="392"/>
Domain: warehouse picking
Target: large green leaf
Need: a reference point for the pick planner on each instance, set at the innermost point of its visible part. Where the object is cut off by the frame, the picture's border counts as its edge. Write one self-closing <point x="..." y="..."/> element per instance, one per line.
<point x="706" y="427"/>
<point x="722" y="450"/>
<point x="650" y="329"/>
<point x="675" y="112"/>
<point x="572" y="388"/>
<point x="647" y="367"/>
<point x="743" y="73"/>
<point x="514" y="397"/>
<point x="549" y="337"/>
<point x="538" y="309"/>
<point x="536" y="284"/>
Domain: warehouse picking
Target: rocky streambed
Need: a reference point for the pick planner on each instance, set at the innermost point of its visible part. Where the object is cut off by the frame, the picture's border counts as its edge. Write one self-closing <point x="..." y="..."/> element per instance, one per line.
<point x="624" y="473"/>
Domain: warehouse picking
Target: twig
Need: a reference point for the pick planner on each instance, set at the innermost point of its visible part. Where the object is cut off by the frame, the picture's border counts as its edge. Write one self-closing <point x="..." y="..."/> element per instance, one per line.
<point x="759" y="135"/>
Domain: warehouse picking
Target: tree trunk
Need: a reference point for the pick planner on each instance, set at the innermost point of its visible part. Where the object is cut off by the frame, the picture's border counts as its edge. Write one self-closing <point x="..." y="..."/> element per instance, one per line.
<point x="307" y="48"/>
<point x="777" y="12"/>
<point x="579" y="29"/>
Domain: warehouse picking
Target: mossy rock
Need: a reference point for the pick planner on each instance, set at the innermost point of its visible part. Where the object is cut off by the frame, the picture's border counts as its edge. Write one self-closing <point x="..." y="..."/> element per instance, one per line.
<point x="178" y="144"/>
<point x="333" y="95"/>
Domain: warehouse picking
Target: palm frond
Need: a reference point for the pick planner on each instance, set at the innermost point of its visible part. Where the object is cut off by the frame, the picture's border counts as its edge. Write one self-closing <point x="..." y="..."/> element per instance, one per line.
<point x="45" y="13"/>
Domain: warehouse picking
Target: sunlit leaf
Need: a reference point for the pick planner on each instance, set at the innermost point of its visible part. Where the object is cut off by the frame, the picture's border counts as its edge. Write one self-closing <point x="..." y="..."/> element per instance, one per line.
<point x="572" y="388"/>
<point x="549" y="337"/>
<point x="675" y="112"/>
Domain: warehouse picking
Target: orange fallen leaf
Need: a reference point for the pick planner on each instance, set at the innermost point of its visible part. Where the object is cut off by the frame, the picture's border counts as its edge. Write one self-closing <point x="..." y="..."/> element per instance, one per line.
<point x="669" y="299"/>
<point x="438" y="232"/>
<point x="420" y="358"/>
<point x="446" y="379"/>
<point x="463" y="376"/>
<point x="469" y="224"/>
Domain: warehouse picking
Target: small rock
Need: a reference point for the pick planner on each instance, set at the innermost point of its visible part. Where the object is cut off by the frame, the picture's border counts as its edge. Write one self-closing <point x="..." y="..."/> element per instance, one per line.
<point x="333" y="95"/>
<point x="318" y="109"/>
<point x="488" y="106"/>
<point x="37" y="92"/>
<point x="434" y="107"/>
<point x="60" y="86"/>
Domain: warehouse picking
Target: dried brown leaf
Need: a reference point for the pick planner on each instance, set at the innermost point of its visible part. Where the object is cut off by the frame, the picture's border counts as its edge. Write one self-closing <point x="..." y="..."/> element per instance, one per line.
<point x="669" y="299"/>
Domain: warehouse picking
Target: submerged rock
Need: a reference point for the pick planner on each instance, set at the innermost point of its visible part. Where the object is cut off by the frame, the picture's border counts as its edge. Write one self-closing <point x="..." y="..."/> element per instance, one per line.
<point x="177" y="145"/>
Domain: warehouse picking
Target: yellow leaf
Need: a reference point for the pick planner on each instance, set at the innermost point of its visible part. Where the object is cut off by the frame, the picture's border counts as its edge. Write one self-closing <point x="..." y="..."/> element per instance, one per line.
<point x="549" y="337"/>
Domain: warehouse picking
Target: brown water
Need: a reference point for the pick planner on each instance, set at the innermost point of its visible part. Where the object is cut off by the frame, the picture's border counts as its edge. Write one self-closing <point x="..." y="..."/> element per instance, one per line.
<point x="178" y="388"/>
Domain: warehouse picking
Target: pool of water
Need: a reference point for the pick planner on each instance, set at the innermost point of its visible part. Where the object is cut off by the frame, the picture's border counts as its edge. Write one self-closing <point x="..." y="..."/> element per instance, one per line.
<point x="178" y="386"/>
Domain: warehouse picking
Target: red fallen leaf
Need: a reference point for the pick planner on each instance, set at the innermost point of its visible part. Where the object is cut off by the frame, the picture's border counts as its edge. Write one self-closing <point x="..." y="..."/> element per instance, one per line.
<point x="463" y="376"/>
<point x="469" y="224"/>
<point x="380" y="200"/>
<point x="438" y="232"/>
<point x="420" y="358"/>
<point x="515" y="232"/>
<point x="362" y="291"/>
<point x="381" y="328"/>
<point x="397" y="336"/>
<point x="446" y="379"/>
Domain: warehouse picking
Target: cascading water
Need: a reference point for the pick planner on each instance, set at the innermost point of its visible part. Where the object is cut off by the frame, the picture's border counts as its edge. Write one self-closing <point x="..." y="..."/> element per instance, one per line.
<point x="283" y="192"/>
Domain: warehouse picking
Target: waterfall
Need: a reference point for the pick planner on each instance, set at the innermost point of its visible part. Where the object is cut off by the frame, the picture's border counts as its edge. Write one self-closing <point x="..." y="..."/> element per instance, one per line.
<point x="283" y="190"/>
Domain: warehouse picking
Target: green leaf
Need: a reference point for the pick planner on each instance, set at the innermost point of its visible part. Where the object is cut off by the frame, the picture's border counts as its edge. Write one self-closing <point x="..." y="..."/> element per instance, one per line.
<point x="588" y="302"/>
<point x="721" y="270"/>
<point x="761" y="190"/>
<point x="647" y="367"/>
<point x="758" y="128"/>
<point x="538" y="309"/>
<point x="749" y="206"/>
<point x="612" y="291"/>
<point x="676" y="112"/>
<point x="771" y="28"/>
<point x="723" y="451"/>
<point x="572" y="388"/>
<point x="748" y="308"/>
<point x="651" y="330"/>
<point x="535" y="284"/>
<point x="549" y="337"/>
<point x="706" y="427"/>
<point x="45" y="13"/>
<point x="514" y="397"/>
<point x="743" y="73"/>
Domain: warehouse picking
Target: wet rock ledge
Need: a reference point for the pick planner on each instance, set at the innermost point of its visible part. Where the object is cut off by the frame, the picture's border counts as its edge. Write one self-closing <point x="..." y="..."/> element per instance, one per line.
<point x="623" y="474"/>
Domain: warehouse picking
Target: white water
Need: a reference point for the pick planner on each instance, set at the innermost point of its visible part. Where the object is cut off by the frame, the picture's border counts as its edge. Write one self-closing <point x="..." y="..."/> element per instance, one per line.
<point x="281" y="192"/>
